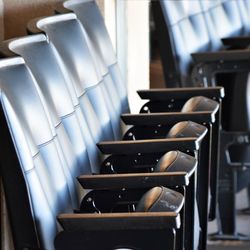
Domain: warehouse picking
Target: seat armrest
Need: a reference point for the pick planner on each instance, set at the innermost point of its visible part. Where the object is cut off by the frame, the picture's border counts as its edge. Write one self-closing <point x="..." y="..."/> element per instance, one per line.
<point x="238" y="41"/>
<point x="134" y="180"/>
<point x="119" y="221"/>
<point x="226" y="55"/>
<point x="149" y="146"/>
<point x="181" y="93"/>
<point x="170" y="118"/>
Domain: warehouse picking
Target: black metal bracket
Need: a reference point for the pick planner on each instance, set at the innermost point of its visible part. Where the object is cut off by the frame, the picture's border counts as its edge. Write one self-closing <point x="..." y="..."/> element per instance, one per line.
<point x="149" y="146"/>
<point x="237" y="42"/>
<point x="234" y="138"/>
<point x="204" y="72"/>
<point x="168" y="118"/>
<point x="134" y="180"/>
<point x="112" y="233"/>
<point x="110" y="201"/>
<point x="135" y="163"/>
<point x="181" y="93"/>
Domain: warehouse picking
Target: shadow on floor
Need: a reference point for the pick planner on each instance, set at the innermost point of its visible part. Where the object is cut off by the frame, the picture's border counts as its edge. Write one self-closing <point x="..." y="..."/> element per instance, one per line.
<point x="243" y="226"/>
<point x="230" y="246"/>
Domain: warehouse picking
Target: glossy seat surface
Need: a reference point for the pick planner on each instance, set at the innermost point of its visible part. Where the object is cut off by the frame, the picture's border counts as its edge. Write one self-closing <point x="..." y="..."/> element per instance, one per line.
<point x="59" y="92"/>
<point x="44" y="152"/>
<point x="72" y="43"/>
<point x="91" y="18"/>
<point x="228" y="24"/>
<point x="191" y="27"/>
<point x="48" y="166"/>
<point x="244" y="9"/>
<point x="53" y="139"/>
<point x="187" y="33"/>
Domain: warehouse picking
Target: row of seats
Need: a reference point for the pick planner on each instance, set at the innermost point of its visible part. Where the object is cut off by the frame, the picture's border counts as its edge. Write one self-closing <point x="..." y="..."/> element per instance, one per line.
<point x="185" y="28"/>
<point x="61" y="94"/>
<point x="204" y="43"/>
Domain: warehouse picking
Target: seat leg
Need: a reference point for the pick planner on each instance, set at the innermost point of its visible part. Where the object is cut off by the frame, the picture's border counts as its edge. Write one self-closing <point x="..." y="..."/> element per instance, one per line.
<point x="226" y="216"/>
<point x="246" y="211"/>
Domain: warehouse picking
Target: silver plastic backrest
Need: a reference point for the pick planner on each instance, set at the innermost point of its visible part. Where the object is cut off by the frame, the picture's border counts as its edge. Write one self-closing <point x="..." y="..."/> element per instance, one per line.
<point x="244" y="9"/>
<point x="224" y="16"/>
<point x="72" y="43"/>
<point x="207" y="6"/>
<point x="83" y="70"/>
<point x="58" y="90"/>
<point x="91" y="18"/>
<point x="45" y="170"/>
<point x="188" y="30"/>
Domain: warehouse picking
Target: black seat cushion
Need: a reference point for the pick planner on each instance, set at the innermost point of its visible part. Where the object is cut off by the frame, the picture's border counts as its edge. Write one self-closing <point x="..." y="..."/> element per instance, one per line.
<point x="200" y="103"/>
<point x="160" y="199"/>
<point x="176" y="161"/>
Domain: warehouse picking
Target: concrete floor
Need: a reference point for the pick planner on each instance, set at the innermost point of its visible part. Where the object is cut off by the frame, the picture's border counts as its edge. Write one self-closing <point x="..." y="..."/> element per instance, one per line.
<point x="243" y="226"/>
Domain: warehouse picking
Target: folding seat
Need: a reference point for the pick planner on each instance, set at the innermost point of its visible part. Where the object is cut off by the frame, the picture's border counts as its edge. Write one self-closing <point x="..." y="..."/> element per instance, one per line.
<point x="74" y="53"/>
<point x="131" y="236"/>
<point x="205" y="31"/>
<point x="49" y="111"/>
<point x="226" y="10"/>
<point x="33" y="49"/>
<point x="96" y="30"/>
<point x="229" y="69"/>
<point x="202" y="15"/>
<point x="160" y="101"/>
<point x="101" y="42"/>
<point x="40" y="61"/>
<point x="98" y="35"/>
<point x="39" y="181"/>
<point x="61" y="132"/>
<point x="174" y="161"/>
<point x="68" y="54"/>
<point x="45" y="64"/>
<point x="181" y="30"/>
